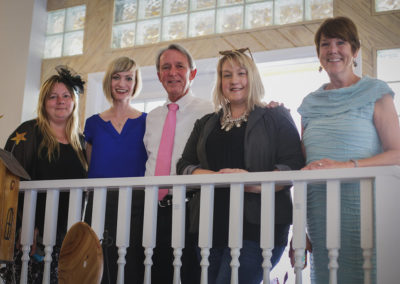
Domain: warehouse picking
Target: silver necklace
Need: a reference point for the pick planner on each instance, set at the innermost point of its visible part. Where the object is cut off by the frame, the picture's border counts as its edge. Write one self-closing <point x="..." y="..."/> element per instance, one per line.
<point x="228" y="122"/>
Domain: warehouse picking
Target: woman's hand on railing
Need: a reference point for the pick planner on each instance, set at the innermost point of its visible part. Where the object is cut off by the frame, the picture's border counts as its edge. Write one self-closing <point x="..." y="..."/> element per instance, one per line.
<point x="328" y="164"/>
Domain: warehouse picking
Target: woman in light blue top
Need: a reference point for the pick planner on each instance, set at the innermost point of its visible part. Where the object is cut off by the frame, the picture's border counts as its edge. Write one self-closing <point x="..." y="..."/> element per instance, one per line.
<point x="348" y="122"/>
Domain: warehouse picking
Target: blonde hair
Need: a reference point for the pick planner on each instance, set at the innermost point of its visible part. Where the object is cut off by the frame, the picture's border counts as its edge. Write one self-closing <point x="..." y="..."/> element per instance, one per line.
<point x="49" y="140"/>
<point x="255" y="86"/>
<point x="121" y="64"/>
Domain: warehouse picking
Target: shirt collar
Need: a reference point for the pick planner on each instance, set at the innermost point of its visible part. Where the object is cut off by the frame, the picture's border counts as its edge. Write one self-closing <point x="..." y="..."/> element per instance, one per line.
<point x="183" y="101"/>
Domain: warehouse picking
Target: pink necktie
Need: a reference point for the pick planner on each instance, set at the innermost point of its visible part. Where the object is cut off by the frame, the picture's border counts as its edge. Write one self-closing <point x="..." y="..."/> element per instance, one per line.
<point x="164" y="156"/>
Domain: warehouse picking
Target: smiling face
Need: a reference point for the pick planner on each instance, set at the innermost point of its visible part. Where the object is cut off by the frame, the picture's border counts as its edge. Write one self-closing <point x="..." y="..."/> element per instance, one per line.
<point x="122" y="85"/>
<point x="175" y="74"/>
<point x="59" y="103"/>
<point x="336" y="56"/>
<point x="234" y="83"/>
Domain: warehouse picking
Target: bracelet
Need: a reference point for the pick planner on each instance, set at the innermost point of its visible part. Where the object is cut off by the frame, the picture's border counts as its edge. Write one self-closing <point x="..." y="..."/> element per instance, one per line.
<point x="355" y="162"/>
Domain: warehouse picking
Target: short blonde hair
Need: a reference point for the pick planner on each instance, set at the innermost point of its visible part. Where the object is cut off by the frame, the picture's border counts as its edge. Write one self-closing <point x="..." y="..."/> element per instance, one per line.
<point x="255" y="85"/>
<point x="121" y="64"/>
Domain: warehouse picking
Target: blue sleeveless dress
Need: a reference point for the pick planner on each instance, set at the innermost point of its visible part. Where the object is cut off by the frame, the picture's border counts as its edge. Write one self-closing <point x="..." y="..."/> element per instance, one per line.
<point x="338" y="124"/>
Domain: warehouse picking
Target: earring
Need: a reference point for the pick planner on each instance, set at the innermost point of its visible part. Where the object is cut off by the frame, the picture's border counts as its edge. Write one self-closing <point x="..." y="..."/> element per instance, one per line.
<point x="320" y="69"/>
<point x="355" y="63"/>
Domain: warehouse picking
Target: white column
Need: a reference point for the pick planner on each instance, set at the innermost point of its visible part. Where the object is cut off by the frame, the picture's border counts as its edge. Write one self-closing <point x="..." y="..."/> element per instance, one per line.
<point x="74" y="206"/>
<point x="333" y="227"/>
<point x="236" y="228"/>
<point x="267" y="231"/>
<point x="178" y="228"/>
<point x="299" y="226"/>
<point x="206" y="228"/>
<point x="367" y="226"/>
<point x="149" y="228"/>
<point x="123" y="228"/>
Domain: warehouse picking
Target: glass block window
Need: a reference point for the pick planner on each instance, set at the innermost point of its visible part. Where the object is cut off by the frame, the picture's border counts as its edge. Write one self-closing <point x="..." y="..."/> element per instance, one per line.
<point x="64" y="33"/>
<point x="139" y="22"/>
<point x="387" y="5"/>
<point x="388" y="62"/>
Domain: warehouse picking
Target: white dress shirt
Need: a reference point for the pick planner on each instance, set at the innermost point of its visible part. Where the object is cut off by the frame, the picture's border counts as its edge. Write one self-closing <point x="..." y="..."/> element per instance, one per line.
<point x="190" y="109"/>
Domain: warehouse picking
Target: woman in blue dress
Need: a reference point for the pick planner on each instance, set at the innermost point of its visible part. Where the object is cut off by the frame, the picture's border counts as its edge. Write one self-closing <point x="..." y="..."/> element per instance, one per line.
<point x="115" y="149"/>
<point x="348" y="122"/>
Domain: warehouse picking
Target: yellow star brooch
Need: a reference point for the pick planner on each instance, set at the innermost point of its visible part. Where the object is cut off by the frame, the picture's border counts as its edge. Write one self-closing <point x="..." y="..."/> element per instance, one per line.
<point x="19" y="137"/>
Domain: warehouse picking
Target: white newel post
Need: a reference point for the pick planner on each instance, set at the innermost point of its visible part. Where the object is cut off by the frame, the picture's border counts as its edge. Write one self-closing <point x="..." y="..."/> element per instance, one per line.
<point x="206" y="228"/>
<point x="123" y="228"/>
<point x="178" y="228"/>
<point x="299" y="226"/>
<point x="50" y="230"/>
<point x="267" y="226"/>
<point x="367" y="226"/>
<point x="75" y="207"/>
<point x="149" y="228"/>
<point x="236" y="228"/>
<point x="28" y="226"/>
<point x="333" y="227"/>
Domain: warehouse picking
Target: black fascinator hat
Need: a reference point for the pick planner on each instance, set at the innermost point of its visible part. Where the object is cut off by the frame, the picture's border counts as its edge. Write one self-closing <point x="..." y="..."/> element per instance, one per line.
<point x="71" y="78"/>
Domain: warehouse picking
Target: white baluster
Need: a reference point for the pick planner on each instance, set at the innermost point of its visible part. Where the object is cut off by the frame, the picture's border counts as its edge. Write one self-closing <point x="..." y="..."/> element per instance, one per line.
<point x="99" y="210"/>
<point x="74" y="206"/>
<point x="50" y="229"/>
<point x="367" y="225"/>
<point x="333" y="227"/>
<point x="178" y="228"/>
<point x="28" y="225"/>
<point x="299" y="226"/>
<point x="267" y="226"/>
<point x="149" y="228"/>
<point x="236" y="228"/>
<point x="123" y="228"/>
<point x="206" y="227"/>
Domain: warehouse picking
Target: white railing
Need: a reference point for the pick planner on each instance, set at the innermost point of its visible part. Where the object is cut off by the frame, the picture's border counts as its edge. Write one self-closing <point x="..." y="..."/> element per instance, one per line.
<point x="385" y="201"/>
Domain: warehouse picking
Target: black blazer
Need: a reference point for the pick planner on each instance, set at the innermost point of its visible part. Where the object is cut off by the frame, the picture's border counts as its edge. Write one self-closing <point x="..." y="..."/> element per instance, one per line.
<point x="271" y="142"/>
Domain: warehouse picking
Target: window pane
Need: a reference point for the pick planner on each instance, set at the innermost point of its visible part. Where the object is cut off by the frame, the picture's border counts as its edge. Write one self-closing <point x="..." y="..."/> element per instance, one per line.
<point x="387" y="5"/>
<point x="75" y="18"/>
<point x="259" y="15"/>
<point x="201" y="4"/>
<point x="229" y="19"/>
<point x="202" y="23"/>
<point x="53" y="46"/>
<point x="149" y="9"/>
<point x="319" y="9"/>
<point x="289" y="11"/>
<point x="73" y="43"/>
<point x="123" y="35"/>
<point x="55" y="22"/>
<point x="148" y="32"/>
<point x="229" y="2"/>
<point x="175" y="27"/>
<point x="175" y="6"/>
<point x="388" y="62"/>
<point x="125" y="10"/>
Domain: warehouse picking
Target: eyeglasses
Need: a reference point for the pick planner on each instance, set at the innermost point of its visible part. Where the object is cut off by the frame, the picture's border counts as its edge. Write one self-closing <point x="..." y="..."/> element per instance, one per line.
<point x="241" y="50"/>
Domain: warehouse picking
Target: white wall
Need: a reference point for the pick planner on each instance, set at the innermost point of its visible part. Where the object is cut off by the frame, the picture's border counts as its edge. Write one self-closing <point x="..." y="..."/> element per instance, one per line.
<point x="22" y="31"/>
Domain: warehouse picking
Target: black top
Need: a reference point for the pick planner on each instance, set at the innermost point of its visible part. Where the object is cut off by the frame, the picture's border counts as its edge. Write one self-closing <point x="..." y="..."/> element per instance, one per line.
<point x="66" y="165"/>
<point x="270" y="142"/>
<point x="226" y="150"/>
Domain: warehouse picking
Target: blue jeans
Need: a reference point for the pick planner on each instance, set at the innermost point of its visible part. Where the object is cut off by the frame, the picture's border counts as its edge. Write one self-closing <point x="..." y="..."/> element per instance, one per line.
<point x="250" y="269"/>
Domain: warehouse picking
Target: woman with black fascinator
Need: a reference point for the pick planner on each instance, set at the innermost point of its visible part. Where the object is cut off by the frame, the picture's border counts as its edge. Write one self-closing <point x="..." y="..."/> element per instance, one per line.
<point x="50" y="147"/>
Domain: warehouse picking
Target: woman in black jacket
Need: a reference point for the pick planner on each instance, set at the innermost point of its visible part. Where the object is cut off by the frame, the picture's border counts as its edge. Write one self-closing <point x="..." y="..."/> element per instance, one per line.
<point x="243" y="136"/>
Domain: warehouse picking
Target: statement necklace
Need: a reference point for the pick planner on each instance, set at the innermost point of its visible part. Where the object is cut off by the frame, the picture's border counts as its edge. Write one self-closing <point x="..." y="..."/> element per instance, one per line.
<point x="228" y="122"/>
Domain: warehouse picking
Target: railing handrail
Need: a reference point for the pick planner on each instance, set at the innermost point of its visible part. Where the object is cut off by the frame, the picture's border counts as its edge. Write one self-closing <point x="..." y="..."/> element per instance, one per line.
<point x="279" y="177"/>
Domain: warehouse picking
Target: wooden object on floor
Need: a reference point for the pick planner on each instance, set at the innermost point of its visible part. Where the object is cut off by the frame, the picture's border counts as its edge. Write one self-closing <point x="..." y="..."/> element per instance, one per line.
<point x="81" y="256"/>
